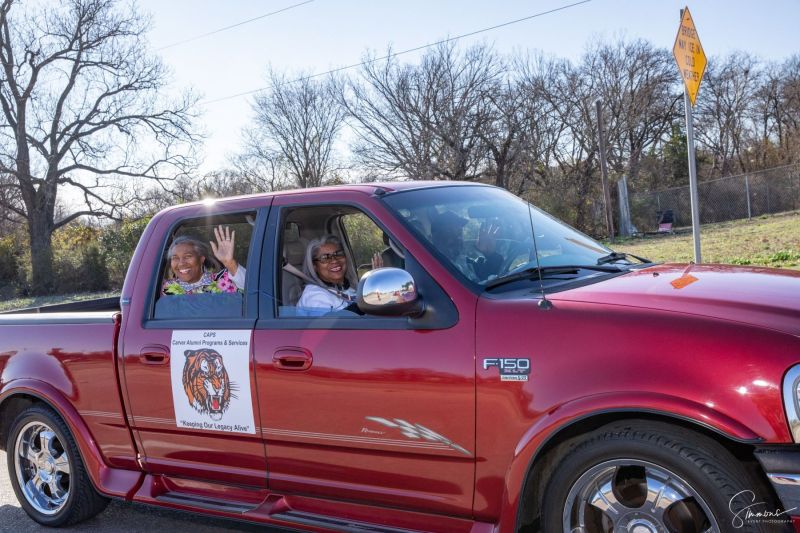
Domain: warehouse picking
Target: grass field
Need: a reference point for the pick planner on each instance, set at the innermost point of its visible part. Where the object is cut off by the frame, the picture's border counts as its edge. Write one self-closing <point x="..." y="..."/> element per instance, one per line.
<point x="772" y="241"/>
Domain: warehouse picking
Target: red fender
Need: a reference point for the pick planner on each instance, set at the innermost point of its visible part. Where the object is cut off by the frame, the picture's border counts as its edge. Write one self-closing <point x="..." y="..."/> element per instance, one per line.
<point x="532" y="442"/>
<point x="109" y="481"/>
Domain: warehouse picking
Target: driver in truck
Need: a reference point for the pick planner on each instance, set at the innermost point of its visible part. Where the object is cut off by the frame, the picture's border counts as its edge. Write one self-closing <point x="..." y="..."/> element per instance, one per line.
<point x="447" y="235"/>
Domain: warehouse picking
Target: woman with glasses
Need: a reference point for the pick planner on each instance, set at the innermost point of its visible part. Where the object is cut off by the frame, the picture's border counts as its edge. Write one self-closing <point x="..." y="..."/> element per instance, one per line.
<point x="333" y="286"/>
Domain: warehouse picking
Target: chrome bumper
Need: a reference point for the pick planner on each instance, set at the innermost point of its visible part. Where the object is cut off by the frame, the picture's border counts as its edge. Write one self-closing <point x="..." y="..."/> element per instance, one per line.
<point x="788" y="488"/>
<point x="782" y="468"/>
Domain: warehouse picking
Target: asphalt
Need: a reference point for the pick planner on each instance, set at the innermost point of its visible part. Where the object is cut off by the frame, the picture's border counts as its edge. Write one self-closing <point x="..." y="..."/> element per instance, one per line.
<point x="119" y="516"/>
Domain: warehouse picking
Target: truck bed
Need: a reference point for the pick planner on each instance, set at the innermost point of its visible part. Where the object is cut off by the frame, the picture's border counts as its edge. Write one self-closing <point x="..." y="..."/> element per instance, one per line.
<point x="110" y="304"/>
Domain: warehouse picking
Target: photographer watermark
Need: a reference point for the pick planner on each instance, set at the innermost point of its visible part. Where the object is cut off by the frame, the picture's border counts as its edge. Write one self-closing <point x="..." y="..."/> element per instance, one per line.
<point x="746" y="510"/>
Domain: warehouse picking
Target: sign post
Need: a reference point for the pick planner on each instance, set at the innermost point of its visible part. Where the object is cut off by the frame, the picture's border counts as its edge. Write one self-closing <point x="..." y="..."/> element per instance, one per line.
<point x="692" y="63"/>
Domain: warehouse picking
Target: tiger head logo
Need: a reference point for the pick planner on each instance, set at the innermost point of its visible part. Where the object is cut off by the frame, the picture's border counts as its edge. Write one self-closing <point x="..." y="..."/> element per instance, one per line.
<point x="206" y="382"/>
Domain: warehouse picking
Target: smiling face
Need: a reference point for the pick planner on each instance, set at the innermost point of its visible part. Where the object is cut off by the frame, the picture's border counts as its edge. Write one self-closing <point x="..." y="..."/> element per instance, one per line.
<point x="333" y="270"/>
<point x="186" y="263"/>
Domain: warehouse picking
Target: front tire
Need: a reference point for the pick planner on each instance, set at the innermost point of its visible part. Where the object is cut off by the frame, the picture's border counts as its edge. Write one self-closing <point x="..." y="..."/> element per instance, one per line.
<point x="47" y="472"/>
<point x="652" y="477"/>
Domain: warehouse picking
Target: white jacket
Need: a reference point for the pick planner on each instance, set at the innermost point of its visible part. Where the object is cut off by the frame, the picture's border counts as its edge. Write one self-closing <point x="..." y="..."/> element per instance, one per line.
<point x="315" y="297"/>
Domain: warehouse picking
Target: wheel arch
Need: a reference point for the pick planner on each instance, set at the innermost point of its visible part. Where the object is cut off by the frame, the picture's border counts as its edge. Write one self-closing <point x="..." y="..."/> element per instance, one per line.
<point x="540" y="462"/>
<point x="23" y="393"/>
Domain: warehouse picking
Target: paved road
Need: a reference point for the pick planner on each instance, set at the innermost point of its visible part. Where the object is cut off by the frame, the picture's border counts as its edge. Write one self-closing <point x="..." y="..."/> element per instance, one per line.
<point x="118" y="517"/>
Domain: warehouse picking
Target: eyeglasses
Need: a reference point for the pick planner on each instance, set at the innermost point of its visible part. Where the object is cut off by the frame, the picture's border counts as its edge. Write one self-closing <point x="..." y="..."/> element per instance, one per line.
<point x="324" y="259"/>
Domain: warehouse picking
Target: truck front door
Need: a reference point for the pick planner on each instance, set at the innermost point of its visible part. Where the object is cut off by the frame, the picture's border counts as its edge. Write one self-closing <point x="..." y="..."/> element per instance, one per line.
<point x="372" y="409"/>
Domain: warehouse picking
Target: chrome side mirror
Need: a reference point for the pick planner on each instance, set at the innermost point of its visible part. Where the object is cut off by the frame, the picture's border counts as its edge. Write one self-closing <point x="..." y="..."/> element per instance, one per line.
<point x="389" y="291"/>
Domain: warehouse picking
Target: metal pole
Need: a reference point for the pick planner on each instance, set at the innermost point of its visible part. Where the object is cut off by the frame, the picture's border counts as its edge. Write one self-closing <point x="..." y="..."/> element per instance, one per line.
<point x="624" y="207"/>
<point x="687" y="104"/>
<point x="604" y="169"/>
<point x="769" y="203"/>
<point x="747" y="190"/>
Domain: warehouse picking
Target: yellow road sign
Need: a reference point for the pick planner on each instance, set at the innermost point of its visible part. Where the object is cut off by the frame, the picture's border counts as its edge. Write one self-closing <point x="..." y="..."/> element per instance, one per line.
<point x="689" y="55"/>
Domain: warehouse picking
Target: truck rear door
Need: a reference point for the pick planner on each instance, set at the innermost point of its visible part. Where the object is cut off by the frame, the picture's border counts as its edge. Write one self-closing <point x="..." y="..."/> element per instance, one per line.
<point x="187" y="359"/>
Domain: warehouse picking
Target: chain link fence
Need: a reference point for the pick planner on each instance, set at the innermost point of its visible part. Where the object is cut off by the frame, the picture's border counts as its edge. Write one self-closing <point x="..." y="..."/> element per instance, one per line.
<point x="749" y="195"/>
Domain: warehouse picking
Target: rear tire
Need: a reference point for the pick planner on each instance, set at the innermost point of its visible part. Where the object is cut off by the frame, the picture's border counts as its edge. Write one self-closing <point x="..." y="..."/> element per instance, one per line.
<point x="47" y="472"/>
<point x="650" y="476"/>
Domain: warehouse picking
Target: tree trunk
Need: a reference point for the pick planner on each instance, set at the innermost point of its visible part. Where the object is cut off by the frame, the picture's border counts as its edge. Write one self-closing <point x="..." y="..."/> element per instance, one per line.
<point x="40" y="233"/>
<point x="634" y="164"/>
<point x="500" y="177"/>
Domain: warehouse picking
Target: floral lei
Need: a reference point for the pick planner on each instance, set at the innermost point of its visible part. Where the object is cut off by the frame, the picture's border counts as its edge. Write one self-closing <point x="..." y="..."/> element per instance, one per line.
<point x="219" y="283"/>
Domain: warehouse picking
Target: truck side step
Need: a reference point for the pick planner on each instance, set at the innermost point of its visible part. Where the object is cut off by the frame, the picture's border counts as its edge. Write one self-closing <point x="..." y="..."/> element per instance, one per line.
<point x="205" y="503"/>
<point x="337" y="524"/>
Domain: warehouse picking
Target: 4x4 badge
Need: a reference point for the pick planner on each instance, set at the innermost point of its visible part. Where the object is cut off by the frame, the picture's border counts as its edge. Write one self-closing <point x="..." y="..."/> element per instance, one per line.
<point x="511" y="368"/>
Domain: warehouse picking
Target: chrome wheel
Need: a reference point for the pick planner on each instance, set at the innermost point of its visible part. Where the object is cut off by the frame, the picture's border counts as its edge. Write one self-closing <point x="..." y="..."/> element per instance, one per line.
<point x="42" y="468"/>
<point x="633" y="496"/>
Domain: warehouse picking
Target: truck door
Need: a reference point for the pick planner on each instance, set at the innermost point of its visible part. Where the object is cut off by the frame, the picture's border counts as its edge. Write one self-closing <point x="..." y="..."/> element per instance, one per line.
<point x="187" y="364"/>
<point x="373" y="409"/>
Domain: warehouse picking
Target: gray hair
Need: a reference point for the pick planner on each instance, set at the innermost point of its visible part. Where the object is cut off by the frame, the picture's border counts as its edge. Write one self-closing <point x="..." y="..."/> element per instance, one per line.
<point x="311" y="252"/>
<point x="199" y="247"/>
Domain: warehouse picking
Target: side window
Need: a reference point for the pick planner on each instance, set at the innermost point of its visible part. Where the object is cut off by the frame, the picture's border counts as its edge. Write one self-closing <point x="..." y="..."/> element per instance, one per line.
<point x="366" y="239"/>
<point x="204" y="268"/>
<point x="326" y="250"/>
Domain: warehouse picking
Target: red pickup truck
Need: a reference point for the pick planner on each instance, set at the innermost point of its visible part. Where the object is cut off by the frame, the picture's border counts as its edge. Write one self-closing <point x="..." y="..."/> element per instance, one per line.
<point x="500" y="372"/>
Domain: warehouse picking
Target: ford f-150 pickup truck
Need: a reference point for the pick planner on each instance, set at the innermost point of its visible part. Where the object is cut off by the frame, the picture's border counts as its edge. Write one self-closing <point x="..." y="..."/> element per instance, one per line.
<point x="500" y="372"/>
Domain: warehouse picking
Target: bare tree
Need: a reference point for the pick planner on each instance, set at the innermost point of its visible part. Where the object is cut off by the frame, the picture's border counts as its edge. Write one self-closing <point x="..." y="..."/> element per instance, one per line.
<point x="725" y="110"/>
<point x="529" y="110"/>
<point x="262" y="169"/>
<point x="424" y="121"/>
<point x="296" y="128"/>
<point x="787" y="114"/>
<point x="571" y="188"/>
<point x="10" y="200"/>
<point x="79" y="97"/>
<point x="504" y="135"/>
<point x="637" y="84"/>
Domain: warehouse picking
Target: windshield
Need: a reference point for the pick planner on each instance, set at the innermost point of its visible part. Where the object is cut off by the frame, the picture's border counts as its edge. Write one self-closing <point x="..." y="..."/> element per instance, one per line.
<point x="485" y="232"/>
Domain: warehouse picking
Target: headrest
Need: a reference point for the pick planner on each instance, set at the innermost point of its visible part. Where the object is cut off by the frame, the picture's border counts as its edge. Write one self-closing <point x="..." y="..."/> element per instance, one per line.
<point x="294" y="251"/>
<point x="291" y="233"/>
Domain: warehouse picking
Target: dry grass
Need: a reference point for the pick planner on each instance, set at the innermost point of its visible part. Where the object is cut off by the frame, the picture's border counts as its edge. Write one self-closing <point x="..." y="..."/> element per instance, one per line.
<point x="772" y="241"/>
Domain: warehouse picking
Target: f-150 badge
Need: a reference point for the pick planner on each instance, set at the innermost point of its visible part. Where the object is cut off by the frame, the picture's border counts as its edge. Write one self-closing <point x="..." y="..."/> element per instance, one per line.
<point x="511" y="368"/>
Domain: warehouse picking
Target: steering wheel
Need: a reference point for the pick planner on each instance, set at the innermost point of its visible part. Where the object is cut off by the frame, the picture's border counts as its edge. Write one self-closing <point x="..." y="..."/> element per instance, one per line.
<point x="515" y="249"/>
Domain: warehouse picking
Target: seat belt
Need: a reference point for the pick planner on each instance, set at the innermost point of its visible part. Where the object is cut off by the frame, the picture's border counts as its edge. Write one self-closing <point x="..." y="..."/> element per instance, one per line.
<point x="291" y="269"/>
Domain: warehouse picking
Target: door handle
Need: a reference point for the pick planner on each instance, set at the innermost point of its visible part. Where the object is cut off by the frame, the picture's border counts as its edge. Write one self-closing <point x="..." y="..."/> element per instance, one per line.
<point x="154" y="354"/>
<point x="292" y="359"/>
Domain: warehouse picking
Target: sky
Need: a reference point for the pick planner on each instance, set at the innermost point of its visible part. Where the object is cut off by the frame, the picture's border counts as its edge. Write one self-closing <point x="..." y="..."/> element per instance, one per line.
<point x="320" y="35"/>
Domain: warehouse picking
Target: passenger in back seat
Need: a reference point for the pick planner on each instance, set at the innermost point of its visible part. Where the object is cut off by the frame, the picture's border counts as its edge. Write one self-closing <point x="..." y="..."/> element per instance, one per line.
<point x="193" y="270"/>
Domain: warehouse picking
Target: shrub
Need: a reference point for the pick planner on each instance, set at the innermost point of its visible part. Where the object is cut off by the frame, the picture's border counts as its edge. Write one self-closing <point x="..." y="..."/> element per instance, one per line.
<point x="70" y="246"/>
<point x="9" y="268"/>
<point x="118" y="243"/>
<point x="783" y="256"/>
<point x="94" y="274"/>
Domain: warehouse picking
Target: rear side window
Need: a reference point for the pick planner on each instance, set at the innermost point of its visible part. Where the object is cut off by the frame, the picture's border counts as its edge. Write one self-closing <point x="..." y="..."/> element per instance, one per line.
<point x="203" y="268"/>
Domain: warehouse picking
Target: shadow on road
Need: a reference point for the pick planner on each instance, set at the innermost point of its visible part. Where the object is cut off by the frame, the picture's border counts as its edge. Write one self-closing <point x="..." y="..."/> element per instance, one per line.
<point x="131" y="518"/>
<point x="119" y="517"/>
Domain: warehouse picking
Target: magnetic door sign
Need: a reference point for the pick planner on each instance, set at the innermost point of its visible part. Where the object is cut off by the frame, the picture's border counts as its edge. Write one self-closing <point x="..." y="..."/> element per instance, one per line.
<point x="210" y="374"/>
<point x="689" y="55"/>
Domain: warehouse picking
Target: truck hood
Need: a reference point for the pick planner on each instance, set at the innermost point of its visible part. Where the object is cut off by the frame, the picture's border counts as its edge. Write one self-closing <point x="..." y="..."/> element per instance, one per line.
<point x="766" y="297"/>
